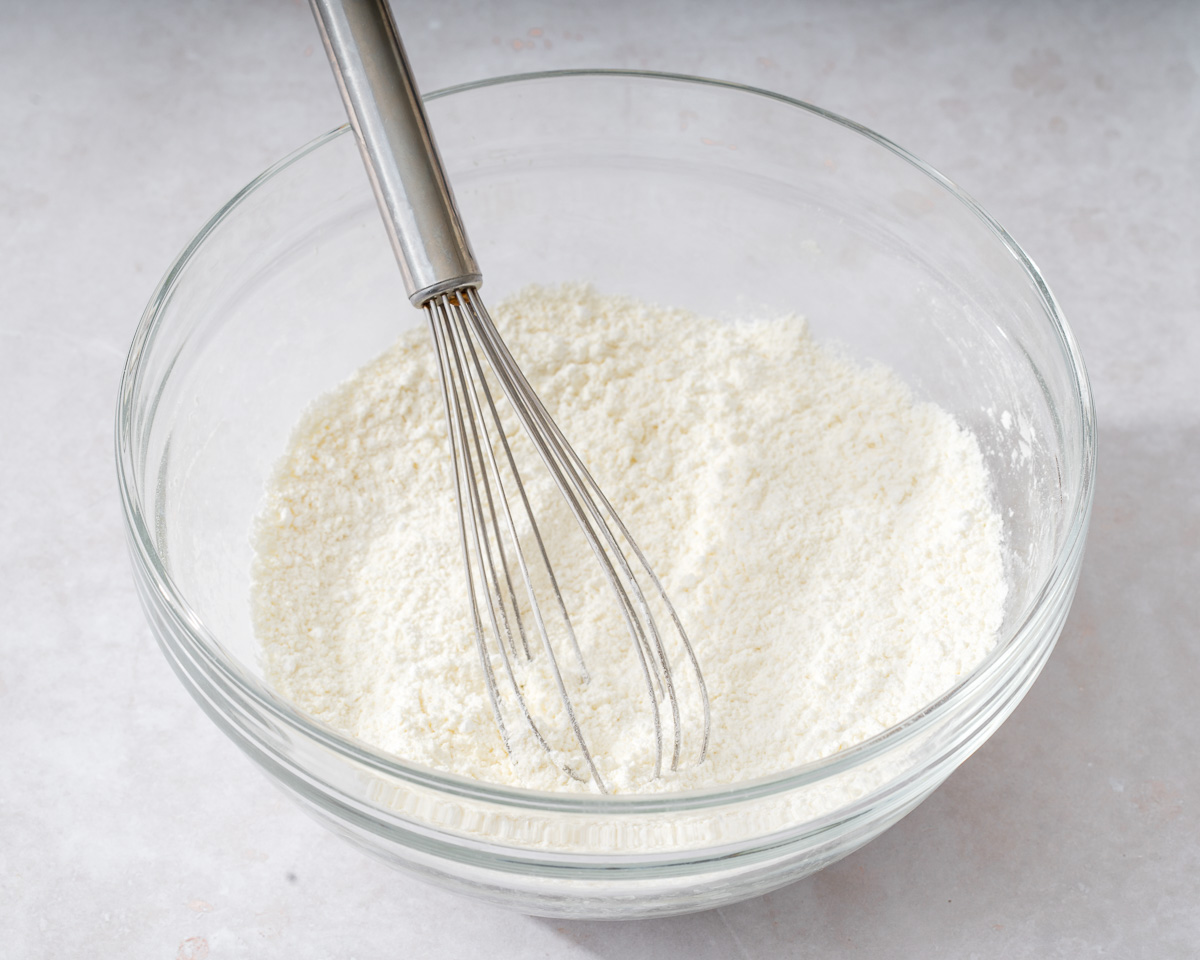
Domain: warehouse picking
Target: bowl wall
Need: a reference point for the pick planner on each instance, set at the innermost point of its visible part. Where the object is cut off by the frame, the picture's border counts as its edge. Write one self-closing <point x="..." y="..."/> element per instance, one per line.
<point x="727" y="201"/>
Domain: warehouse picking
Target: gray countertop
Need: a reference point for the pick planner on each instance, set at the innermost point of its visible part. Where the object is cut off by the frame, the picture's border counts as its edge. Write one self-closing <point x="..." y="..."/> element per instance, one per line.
<point x="130" y="827"/>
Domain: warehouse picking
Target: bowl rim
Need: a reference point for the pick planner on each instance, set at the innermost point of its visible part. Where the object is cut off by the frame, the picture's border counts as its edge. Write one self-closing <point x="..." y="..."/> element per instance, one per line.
<point x="210" y="655"/>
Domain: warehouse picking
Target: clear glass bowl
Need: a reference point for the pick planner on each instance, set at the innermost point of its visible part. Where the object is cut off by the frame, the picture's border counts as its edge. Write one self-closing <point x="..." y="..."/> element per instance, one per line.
<point x="680" y="191"/>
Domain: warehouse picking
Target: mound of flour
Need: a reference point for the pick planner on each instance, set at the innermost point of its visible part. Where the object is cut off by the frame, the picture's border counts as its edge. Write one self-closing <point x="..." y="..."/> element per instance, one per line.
<point x="829" y="542"/>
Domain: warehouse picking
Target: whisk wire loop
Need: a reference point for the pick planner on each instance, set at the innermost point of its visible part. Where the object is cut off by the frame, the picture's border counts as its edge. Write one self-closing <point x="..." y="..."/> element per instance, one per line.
<point x="470" y="351"/>
<point x="450" y="362"/>
<point x="525" y="404"/>
<point x="598" y="504"/>
<point x="451" y="326"/>
<point x="455" y="426"/>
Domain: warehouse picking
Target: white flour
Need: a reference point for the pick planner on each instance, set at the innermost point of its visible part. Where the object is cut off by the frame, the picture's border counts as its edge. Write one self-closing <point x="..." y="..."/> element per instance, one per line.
<point x="830" y="544"/>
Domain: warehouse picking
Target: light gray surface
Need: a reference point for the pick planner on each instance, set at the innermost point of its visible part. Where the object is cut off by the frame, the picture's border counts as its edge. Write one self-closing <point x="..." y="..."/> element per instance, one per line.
<point x="130" y="827"/>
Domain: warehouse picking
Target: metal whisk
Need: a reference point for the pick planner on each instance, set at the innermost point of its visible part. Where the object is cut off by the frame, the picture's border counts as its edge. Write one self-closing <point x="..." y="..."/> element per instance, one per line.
<point x="514" y="594"/>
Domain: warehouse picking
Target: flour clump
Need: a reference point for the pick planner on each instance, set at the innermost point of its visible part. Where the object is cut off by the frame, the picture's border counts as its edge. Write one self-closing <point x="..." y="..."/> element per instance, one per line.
<point x="829" y="542"/>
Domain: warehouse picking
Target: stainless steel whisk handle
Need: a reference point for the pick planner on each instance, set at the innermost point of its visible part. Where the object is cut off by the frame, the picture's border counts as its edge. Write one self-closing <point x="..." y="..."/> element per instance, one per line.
<point x="397" y="146"/>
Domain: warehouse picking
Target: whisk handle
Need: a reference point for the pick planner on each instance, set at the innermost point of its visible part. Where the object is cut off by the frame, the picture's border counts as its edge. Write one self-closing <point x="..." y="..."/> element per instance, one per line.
<point x="397" y="146"/>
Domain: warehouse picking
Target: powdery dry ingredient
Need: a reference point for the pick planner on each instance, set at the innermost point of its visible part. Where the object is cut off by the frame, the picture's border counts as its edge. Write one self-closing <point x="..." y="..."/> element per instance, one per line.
<point x="829" y="543"/>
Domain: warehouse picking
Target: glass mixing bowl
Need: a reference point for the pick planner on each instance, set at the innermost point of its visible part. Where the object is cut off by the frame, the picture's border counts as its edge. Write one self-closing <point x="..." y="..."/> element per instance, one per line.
<point x="676" y="190"/>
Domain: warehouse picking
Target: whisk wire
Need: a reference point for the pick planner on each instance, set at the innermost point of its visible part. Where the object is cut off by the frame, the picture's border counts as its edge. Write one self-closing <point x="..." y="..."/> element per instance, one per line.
<point x="469" y="351"/>
<point x="693" y="660"/>
<point x="456" y="329"/>
<point x="546" y="427"/>
<point x="477" y="423"/>
<point x="456" y="430"/>
<point x="470" y="479"/>
<point x="520" y="393"/>
<point x="465" y="326"/>
<point x="449" y="350"/>
<point x="657" y="670"/>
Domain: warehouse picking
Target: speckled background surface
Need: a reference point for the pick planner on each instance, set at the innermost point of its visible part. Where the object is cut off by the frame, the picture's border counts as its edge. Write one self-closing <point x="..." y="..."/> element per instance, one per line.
<point x="129" y="827"/>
